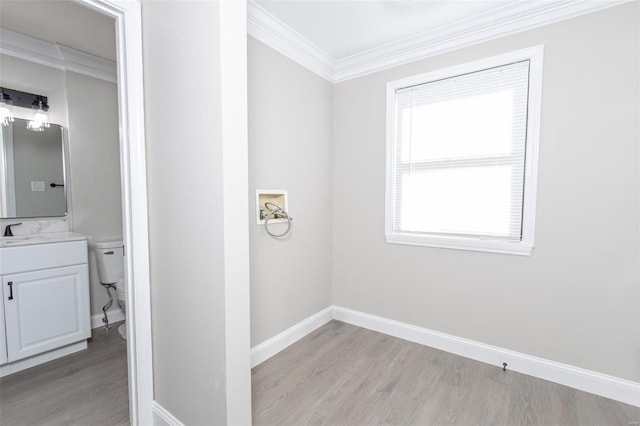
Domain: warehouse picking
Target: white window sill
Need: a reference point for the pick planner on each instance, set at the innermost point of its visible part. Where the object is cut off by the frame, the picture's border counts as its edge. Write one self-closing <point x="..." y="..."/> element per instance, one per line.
<point x="474" y="244"/>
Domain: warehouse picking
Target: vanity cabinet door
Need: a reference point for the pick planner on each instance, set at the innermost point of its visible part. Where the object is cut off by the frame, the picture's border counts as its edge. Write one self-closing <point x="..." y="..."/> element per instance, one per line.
<point x="45" y="309"/>
<point x="3" y="337"/>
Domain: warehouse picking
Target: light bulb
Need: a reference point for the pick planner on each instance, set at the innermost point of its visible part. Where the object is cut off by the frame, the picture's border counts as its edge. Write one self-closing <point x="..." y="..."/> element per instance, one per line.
<point x="40" y="118"/>
<point x="40" y="121"/>
<point x="6" y="116"/>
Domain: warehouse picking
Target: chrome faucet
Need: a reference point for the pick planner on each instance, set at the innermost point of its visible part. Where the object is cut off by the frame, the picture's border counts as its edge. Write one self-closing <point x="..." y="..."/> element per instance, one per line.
<point x="7" y="230"/>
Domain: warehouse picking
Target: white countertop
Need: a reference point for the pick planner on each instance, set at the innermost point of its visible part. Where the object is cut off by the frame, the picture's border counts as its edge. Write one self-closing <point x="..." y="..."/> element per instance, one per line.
<point x="48" y="238"/>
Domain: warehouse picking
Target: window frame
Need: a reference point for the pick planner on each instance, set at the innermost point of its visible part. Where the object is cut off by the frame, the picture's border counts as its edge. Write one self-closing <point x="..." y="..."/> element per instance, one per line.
<point x="523" y="247"/>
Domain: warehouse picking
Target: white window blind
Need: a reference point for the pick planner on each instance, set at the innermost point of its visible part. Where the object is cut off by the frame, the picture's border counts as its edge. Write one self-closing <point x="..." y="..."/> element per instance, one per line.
<point x="458" y="154"/>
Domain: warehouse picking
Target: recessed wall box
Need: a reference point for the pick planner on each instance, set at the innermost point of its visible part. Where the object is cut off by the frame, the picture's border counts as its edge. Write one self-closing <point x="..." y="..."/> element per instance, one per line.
<point x="275" y="196"/>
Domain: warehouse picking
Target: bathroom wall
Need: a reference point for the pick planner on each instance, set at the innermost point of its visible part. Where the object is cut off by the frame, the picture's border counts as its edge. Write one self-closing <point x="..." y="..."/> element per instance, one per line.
<point x="576" y="298"/>
<point x="93" y="154"/>
<point x="289" y="148"/>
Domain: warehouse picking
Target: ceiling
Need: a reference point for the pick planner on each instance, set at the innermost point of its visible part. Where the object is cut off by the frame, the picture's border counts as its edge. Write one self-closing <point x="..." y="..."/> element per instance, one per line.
<point x="344" y="39"/>
<point x="338" y="39"/>
<point x="63" y="22"/>
<point x="345" y="28"/>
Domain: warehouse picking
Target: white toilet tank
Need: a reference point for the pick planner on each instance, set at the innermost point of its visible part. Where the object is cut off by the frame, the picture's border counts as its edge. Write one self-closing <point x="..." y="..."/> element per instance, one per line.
<point x="110" y="260"/>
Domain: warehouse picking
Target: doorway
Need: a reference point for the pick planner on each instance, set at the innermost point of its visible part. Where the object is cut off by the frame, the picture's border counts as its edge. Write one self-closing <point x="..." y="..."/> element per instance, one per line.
<point x="128" y="71"/>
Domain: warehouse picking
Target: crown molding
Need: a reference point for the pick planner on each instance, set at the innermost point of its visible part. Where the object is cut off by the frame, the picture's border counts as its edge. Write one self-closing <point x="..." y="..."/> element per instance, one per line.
<point x="88" y="64"/>
<point x="56" y="55"/>
<point x="498" y="22"/>
<point x="279" y="36"/>
<point x="30" y="49"/>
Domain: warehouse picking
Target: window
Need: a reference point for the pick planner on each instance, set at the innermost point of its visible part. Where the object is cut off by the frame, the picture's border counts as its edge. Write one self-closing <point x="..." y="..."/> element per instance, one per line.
<point x="462" y="155"/>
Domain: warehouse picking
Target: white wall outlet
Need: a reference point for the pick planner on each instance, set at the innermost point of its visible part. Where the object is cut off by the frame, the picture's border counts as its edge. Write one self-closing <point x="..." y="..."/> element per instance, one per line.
<point x="37" y="186"/>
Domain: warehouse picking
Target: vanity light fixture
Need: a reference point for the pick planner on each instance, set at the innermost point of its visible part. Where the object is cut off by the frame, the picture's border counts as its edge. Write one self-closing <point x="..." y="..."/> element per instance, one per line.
<point x="40" y="119"/>
<point x="6" y="116"/>
<point x="37" y="103"/>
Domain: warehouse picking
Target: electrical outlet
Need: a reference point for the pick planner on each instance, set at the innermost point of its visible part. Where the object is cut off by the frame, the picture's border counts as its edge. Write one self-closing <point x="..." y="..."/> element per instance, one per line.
<point x="37" y="186"/>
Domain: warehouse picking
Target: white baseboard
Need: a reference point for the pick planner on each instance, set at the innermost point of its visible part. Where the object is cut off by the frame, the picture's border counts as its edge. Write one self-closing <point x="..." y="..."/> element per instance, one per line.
<point x="269" y="348"/>
<point x="162" y="417"/>
<point x="579" y="378"/>
<point x="23" y="364"/>
<point x="589" y="381"/>
<point x="114" y="314"/>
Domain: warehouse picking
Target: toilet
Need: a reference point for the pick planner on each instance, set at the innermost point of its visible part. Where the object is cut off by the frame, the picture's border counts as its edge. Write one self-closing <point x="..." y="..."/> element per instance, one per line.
<point x="110" y="261"/>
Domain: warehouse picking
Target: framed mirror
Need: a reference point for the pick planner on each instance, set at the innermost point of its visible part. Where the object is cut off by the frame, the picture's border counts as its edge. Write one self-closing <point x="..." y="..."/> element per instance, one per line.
<point x="32" y="172"/>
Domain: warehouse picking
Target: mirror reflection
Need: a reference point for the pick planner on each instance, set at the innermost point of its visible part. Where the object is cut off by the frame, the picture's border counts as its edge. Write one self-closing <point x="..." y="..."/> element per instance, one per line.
<point x="32" y="174"/>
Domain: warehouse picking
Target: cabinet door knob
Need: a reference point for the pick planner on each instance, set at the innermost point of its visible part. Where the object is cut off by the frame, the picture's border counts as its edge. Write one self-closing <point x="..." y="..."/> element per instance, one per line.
<point x="10" y="284"/>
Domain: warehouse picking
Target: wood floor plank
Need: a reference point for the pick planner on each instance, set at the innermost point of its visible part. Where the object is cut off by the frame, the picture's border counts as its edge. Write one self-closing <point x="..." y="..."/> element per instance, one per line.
<point x="86" y="388"/>
<point x="365" y="382"/>
<point x="293" y="377"/>
<point x="346" y="375"/>
<point x="594" y="410"/>
<point x="317" y="373"/>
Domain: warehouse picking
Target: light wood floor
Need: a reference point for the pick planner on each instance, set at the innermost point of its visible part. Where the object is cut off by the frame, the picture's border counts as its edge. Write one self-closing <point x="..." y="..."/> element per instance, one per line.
<point x="87" y="388"/>
<point x="346" y="375"/>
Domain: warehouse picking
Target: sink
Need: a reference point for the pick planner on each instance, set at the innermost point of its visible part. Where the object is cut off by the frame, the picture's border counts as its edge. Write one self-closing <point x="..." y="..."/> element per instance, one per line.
<point x="29" y="239"/>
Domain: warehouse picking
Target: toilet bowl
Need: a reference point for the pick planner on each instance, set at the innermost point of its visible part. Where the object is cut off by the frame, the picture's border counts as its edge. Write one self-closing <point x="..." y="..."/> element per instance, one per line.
<point x="110" y="261"/>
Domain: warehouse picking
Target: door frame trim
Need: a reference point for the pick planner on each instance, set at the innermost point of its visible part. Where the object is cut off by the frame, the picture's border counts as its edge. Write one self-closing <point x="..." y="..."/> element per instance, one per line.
<point x="129" y="62"/>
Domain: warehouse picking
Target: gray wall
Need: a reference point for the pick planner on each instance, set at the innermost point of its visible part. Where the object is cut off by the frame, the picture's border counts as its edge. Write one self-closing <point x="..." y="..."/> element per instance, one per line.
<point x="576" y="298"/>
<point x="289" y="148"/>
<point x="182" y="117"/>
<point x="94" y="154"/>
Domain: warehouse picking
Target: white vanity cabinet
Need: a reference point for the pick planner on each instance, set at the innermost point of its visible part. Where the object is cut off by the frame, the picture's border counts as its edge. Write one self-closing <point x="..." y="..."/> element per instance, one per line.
<point x="45" y="298"/>
<point x="3" y="339"/>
